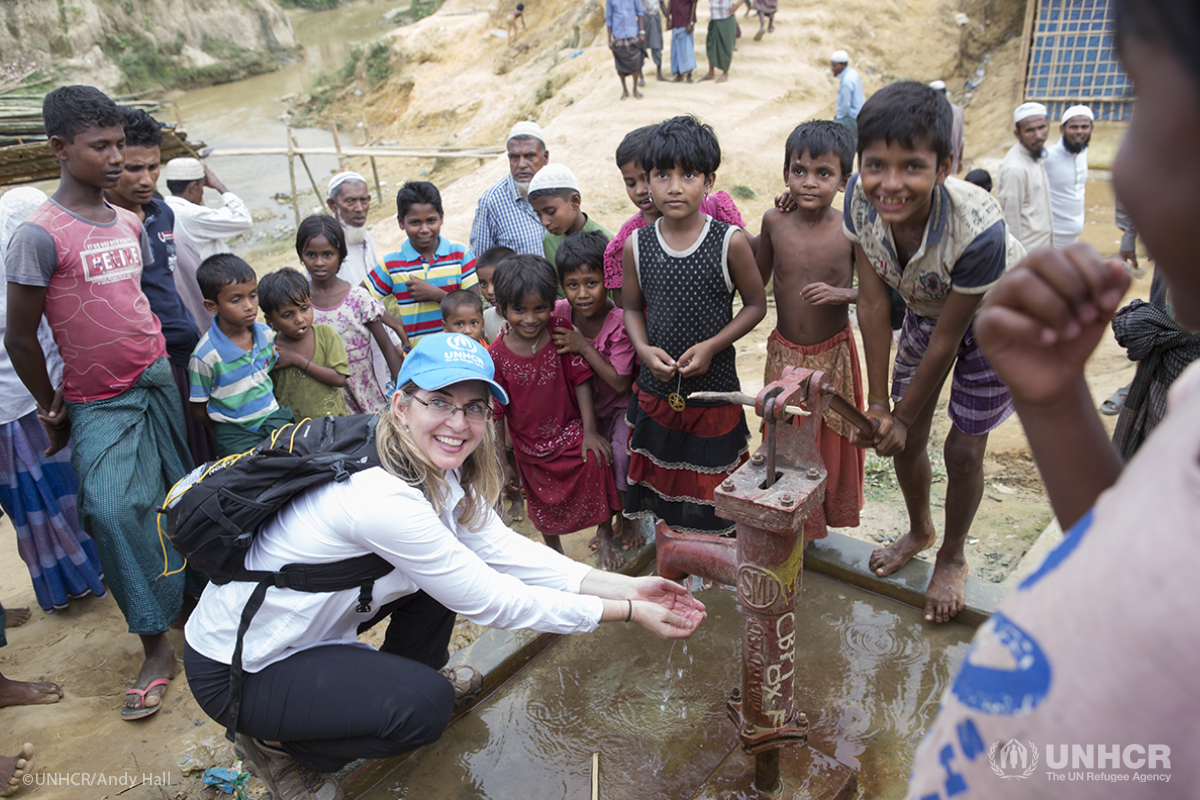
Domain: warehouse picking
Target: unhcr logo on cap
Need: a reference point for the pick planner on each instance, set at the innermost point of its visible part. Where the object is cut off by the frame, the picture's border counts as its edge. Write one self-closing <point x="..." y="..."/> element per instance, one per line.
<point x="462" y="349"/>
<point x="460" y="341"/>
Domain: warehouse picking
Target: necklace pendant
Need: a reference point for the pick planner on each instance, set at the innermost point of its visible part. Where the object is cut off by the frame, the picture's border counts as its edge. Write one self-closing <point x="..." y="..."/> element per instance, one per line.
<point x="676" y="400"/>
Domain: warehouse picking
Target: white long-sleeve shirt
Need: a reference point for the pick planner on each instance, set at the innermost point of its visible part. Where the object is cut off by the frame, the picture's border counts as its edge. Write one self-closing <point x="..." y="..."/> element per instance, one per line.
<point x="1024" y="194"/>
<point x="208" y="228"/>
<point x="1068" y="174"/>
<point x="493" y="576"/>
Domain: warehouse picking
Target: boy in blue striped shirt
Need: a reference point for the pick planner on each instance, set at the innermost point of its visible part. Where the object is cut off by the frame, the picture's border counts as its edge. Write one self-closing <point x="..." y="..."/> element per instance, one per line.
<point x="229" y="373"/>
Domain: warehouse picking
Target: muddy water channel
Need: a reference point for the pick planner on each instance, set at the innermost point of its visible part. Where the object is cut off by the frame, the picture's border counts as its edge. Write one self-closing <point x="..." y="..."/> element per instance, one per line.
<point x="247" y="114"/>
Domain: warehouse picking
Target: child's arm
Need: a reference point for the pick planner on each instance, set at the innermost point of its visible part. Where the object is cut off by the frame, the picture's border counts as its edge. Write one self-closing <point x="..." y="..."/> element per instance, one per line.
<point x="25" y="307"/>
<point x="748" y="282"/>
<point x="822" y="294"/>
<point x="592" y="441"/>
<point x="423" y="291"/>
<point x="318" y="372"/>
<point x="393" y="359"/>
<point x="200" y="413"/>
<point x="655" y="359"/>
<point x="765" y="256"/>
<point x="1038" y="328"/>
<point x="874" y="319"/>
<point x="398" y="327"/>
<point x="570" y="340"/>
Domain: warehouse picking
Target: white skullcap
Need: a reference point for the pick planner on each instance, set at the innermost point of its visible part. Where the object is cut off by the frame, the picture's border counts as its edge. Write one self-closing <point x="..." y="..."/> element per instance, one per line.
<point x="1027" y="110"/>
<point x="343" y="177"/>
<point x="183" y="169"/>
<point x="527" y="128"/>
<point x="1078" y="111"/>
<point x="554" y="176"/>
<point x="938" y="85"/>
<point x="15" y="206"/>
<point x="840" y="57"/>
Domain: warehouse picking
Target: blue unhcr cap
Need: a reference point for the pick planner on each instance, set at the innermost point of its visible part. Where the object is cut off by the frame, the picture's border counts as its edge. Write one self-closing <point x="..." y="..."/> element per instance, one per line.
<point x="442" y="359"/>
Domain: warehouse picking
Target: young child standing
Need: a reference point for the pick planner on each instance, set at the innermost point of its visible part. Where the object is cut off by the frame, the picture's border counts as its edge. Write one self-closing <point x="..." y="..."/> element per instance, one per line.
<point x="718" y="205"/>
<point x="312" y="365"/>
<point x="427" y="266"/>
<point x="462" y="312"/>
<point x="484" y="266"/>
<point x="349" y="310"/>
<point x="554" y="194"/>
<point x="598" y="334"/>
<point x="941" y="243"/>
<point x="565" y="463"/>
<point x="118" y="401"/>
<point x="1067" y="654"/>
<point x="813" y="267"/>
<point x="230" y="368"/>
<point x="679" y="279"/>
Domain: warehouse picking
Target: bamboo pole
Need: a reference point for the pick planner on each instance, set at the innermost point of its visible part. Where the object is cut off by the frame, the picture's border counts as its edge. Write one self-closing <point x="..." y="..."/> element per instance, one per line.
<point x="337" y="145"/>
<point x="378" y="188"/>
<point x="292" y="176"/>
<point x="304" y="163"/>
<point x="1026" y="45"/>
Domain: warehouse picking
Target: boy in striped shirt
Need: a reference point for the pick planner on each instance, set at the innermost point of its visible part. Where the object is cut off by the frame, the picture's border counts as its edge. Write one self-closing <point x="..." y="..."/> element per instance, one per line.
<point x="426" y="267"/>
<point x="231" y="388"/>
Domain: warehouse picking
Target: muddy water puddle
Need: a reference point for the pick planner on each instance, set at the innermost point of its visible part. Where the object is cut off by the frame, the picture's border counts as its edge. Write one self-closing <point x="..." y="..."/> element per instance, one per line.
<point x="870" y="673"/>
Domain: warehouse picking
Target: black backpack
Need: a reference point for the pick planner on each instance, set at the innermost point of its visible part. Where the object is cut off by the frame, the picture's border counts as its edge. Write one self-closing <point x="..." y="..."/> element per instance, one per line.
<point x="215" y="512"/>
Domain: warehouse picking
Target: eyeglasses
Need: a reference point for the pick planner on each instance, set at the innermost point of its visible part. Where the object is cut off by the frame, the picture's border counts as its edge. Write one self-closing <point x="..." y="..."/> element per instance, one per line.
<point x="474" y="412"/>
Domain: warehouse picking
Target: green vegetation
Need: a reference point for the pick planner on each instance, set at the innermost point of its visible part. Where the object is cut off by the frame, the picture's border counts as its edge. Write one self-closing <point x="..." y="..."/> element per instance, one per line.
<point x="316" y="5"/>
<point x="420" y="9"/>
<point x="146" y="65"/>
<point x="378" y="62"/>
<point x="744" y="192"/>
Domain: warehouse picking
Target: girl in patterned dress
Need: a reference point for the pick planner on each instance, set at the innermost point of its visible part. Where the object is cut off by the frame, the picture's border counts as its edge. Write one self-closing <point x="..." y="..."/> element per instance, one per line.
<point x="351" y="310"/>
<point x="680" y="275"/>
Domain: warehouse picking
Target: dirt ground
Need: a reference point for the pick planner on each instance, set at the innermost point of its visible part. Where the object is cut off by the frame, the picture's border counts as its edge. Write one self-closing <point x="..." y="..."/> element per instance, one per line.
<point x="561" y="74"/>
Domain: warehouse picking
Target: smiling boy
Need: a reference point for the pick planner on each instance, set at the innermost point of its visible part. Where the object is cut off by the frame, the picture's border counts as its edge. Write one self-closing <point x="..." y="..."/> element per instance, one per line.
<point x="121" y="409"/>
<point x="942" y="244"/>
<point x="426" y="267"/>
<point x="812" y="264"/>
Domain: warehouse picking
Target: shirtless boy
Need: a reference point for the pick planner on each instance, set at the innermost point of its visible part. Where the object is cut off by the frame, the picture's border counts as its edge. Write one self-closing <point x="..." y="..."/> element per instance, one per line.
<point x="812" y="263"/>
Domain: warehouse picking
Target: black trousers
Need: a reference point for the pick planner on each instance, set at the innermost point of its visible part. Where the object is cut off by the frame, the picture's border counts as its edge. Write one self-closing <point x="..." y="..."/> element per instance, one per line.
<point x="334" y="704"/>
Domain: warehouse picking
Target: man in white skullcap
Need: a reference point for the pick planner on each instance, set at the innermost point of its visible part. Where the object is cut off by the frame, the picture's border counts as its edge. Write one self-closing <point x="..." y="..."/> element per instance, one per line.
<point x="1067" y="169"/>
<point x="1022" y="186"/>
<point x="503" y="215"/>
<point x="850" y="97"/>
<point x="350" y="200"/>
<point x="956" y="127"/>
<point x="204" y="228"/>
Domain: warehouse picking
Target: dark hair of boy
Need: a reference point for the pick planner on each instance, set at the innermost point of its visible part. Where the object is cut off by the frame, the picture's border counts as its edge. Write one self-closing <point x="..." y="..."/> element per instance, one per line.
<point x="414" y="192"/>
<point x="217" y="272"/>
<point x="630" y="148"/>
<point x="459" y="298"/>
<point x="562" y="193"/>
<point x="981" y="178"/>
<point x="283" y="287"/>
<point x="320" y="225"/>
<point x="683" y="142"/>
<point x="520" y="7"/>
<point x="522" y="275"/>
<point x="71" y="110"/>
<point x="1174" y="23"/>
<point x="141" y="129"/>
<point x="580" y="251"/>
<point x="910" y="113"/>
<point x="493" y="256"/>
<point x="818" y="137"/>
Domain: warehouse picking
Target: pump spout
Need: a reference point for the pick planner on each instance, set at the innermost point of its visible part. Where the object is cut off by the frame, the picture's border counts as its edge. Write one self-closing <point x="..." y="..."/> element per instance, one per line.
<point x="682" y="554"/>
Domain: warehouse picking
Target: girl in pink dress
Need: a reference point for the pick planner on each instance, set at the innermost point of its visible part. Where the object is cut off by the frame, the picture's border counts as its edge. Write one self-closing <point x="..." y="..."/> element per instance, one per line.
<point x="353" y="313"/>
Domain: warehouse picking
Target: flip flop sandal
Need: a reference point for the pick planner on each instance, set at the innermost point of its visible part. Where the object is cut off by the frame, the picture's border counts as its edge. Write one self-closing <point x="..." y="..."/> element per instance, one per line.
<point x="1113" y="405"/>
<point x="131" y="714"/>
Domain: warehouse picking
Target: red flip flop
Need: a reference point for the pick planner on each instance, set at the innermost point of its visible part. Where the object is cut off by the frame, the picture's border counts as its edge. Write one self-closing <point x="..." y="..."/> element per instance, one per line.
<point x="131" y="714"/>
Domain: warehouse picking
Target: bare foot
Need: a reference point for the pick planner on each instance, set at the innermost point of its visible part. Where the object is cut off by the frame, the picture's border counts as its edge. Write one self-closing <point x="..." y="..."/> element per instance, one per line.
<point x="15" y="617"/>
<point x="724" y="77"/>
<point x="887" y="560"/>
<point x="28" y="693"/>
<point x="709" y="76"/>
<point x="679" y="78"/>
<point x="610" y="558"/>
<point x="160" y="665"/>
<point x="689" y="77"/>
<point x="624" y="96"/>
<point x="772" y="28"/>
<point x="632" y="535"/>
<point x="594" y="542"/>
<point x="637" y="95"/>
<point x="640" y="82"/>
<point x="947" y="592"/>
<point x="14" y="768"/>
<point x="516" y="507"/>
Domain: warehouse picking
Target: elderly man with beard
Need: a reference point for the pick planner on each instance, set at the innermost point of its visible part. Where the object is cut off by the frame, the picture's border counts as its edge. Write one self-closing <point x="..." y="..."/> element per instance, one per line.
<point x="504" y="216"/>
<point x="1067" y="169"/>
<point x="1022" y="186"/>
<point x="349" y="201"/>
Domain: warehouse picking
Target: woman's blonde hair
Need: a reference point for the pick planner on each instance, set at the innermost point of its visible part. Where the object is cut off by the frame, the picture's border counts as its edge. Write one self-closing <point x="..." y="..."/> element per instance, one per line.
<point x="480" y="475"/>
